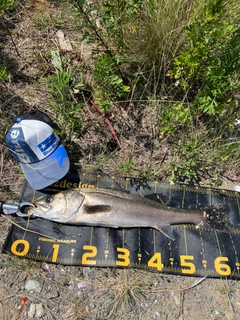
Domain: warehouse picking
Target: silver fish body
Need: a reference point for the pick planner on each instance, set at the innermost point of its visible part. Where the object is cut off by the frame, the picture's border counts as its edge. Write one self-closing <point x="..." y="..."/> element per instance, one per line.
<point x="113" y="209"/>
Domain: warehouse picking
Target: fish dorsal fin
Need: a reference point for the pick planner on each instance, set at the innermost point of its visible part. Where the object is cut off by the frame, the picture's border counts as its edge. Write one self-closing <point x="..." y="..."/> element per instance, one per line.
<point x="167" y="230"/>
<point x="100" y="208"/>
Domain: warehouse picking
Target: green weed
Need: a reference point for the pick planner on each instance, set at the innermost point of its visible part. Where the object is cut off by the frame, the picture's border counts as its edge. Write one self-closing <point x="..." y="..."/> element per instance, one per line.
<point x="108" y="84"/>
<point x="176" y="116"/>
<point x="187" y="164"/>
<point x="128" y="167"/>
<point x="208" y="66"/>
<point x="4" y="74"/>
<point x="137" y="35"/>
<point x="185" y="54"/>
<point x="5" y="5"/>
<point x="64" y="85"/>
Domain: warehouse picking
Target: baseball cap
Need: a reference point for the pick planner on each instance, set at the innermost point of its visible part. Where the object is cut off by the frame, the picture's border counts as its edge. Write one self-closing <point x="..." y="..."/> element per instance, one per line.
<point x="33" y="142"/>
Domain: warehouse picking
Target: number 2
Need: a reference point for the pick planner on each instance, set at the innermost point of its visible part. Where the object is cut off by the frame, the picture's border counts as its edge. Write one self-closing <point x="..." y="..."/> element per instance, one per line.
<point x="91" y="254"/>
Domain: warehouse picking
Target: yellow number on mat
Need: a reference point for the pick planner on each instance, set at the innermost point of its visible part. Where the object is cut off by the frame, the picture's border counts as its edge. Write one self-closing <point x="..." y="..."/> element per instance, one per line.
<point x="124" y="256"/>
<point x="91" y="254"/>
<point x="55" y="252"/>
<point x="156" y="261"/>
<point x="25" y="250"/>
<point x="222" y="268"/>
<point x="191" y="267"/>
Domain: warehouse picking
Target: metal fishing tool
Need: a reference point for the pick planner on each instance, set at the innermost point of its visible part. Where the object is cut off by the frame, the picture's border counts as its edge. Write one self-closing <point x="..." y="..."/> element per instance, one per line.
<point x="14" y="207"/>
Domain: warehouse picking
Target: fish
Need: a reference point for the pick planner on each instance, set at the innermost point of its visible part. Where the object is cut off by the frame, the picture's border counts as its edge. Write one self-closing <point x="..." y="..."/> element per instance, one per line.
<point x="113" y="209"/>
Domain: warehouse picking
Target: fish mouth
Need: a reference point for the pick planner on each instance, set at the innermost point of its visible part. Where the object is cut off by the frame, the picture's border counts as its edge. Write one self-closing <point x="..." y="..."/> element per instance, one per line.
<point x="43" y="208"/>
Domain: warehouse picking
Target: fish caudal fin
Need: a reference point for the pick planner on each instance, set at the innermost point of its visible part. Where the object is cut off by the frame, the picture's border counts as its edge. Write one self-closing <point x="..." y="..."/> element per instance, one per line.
<point x="167" y="230"/>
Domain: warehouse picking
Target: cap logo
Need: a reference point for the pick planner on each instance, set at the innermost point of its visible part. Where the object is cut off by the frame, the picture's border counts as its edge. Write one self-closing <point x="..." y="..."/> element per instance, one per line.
<point x="48" y="145"/>
<point x="14" y="134"/>
<point x="17" y="147"/>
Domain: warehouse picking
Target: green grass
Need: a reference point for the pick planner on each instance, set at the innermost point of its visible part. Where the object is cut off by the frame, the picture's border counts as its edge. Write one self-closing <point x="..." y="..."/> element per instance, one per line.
<point x="180" y="59"/>
<point x="5" y="5"/>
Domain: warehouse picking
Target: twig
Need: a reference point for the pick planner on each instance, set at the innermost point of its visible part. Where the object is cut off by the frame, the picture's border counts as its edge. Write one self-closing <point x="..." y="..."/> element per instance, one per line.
<point x="98" y="36"/>
<point x="108" y="124"/>
<point x="164" y="157"/>
<point x="195" y="284"/>
<point x="184" y="289"/>
<point x="230" y="303"/>
<point x="8" y="297"/>
<point x="10" y="35"/>
<point x="181" y="303"/>
<point x="36" y="298"/>
<point x="28" y="230"/>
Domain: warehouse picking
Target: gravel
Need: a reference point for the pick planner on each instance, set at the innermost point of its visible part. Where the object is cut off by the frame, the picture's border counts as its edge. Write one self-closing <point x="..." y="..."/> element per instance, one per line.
<point x="65" y="292"/>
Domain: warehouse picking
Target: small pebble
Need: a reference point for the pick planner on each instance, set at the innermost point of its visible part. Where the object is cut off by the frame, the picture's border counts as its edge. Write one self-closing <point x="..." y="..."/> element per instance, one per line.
<point x="52" y="294"/>
<point x="33" y="285"/>
<point x="31" y="312"/>
<point x="22" y="277"/>
<point x="209" y="296"/>
<point x="81" y="285"/>
<point x="39" y="310"/>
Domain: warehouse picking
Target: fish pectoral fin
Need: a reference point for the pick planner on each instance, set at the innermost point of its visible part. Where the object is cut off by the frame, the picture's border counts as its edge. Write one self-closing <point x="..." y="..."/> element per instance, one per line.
<point x="101" y="208"/>
<point x="167" y="230"/>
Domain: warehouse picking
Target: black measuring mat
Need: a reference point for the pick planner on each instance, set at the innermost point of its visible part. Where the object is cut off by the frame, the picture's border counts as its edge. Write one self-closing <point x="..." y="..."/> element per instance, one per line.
<point x="196" y="251"/>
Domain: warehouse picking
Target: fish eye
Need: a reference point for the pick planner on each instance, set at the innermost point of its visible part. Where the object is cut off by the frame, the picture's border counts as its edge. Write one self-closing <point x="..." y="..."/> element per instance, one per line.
<point x="49" y="199"/>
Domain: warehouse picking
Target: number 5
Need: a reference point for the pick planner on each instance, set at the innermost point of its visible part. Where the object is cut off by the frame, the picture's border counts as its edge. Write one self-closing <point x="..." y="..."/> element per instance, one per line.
<point x="191" y="267"/>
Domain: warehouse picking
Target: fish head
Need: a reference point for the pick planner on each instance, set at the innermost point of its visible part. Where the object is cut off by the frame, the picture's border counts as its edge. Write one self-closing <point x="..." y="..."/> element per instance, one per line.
<point x="59" y="207"/>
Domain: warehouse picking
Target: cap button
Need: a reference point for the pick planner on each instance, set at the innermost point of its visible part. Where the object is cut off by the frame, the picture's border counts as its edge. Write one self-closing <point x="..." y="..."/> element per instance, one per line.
<point x="18" y="120"/>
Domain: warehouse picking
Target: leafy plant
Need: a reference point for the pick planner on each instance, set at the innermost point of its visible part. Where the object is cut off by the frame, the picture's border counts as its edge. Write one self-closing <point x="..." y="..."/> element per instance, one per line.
<point x="203" y="82"/>
<point x="187" y="164"/>
<point x="64" y="85"/>
<point x="108" y="84"/>
<point x="5" y="5"/>
<point x="128" y="167"/>
<point x="4" y="74"/>
<point x="137" y="35"/>
<point x="206" y="67"/>
<point x="175" y="116"/>
<point x="185" y="54"/>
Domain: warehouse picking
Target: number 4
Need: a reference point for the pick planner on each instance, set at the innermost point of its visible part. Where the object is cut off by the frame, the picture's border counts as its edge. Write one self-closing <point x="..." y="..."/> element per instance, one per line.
<point x="156" y="261"/>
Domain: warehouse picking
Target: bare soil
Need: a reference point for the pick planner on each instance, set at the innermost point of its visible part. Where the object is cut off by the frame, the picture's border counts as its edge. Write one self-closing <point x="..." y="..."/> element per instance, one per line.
<point x="60" y="292"/>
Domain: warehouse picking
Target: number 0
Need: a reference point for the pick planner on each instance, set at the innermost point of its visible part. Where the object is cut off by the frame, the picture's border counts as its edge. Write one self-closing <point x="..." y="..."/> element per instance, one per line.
<point x="25" y="250"/>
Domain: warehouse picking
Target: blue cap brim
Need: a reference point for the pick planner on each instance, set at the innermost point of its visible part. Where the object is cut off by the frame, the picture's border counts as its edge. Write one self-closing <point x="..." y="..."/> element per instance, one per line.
<point x="48" y="171"/>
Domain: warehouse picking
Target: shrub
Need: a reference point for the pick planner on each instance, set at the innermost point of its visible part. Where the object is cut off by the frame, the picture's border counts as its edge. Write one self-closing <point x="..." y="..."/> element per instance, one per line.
<point x="5" y="5"/>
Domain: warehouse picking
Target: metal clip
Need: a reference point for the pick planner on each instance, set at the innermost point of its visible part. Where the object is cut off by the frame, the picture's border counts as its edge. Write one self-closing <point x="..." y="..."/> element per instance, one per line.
<point x="22" y="207"/>
<point x="12" y="207"/>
